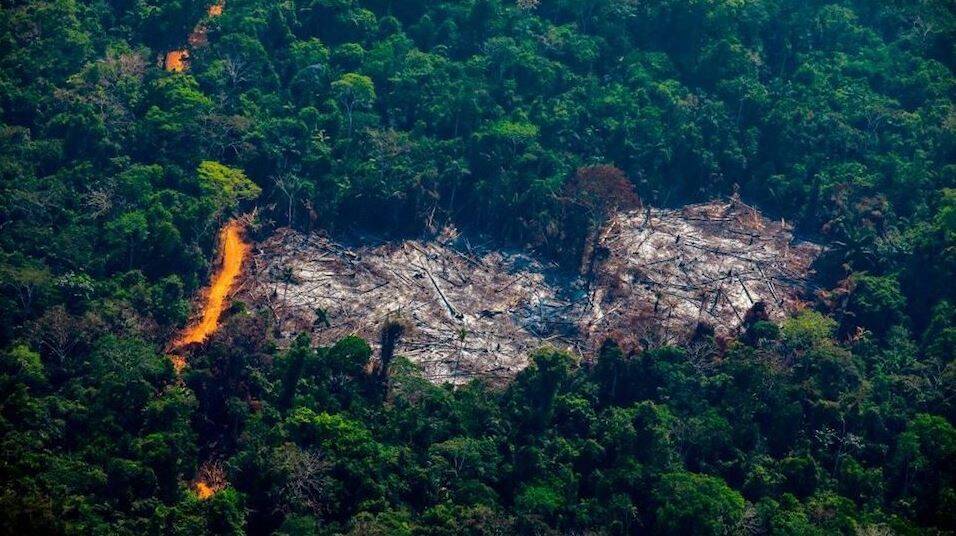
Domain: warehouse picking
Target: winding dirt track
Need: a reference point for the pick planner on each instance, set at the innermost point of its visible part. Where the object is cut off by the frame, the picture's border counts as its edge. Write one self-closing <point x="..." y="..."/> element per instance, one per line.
<point x="233" y="250"/>
<point x="177" y="61"/>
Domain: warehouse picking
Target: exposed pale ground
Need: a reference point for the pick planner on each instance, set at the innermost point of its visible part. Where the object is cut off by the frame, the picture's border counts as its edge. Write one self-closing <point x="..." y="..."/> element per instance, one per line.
<point x="479" y="312"/>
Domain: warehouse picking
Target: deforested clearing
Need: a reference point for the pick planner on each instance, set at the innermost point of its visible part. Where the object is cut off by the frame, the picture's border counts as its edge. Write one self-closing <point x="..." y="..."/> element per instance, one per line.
<point x="658" y="276"/>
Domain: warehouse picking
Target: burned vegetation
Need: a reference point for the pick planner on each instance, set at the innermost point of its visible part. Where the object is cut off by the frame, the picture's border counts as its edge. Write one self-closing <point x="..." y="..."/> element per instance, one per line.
<point x="656" y="276"/>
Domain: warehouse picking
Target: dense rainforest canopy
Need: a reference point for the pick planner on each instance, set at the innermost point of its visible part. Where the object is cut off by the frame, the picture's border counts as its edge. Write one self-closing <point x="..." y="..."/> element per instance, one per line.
<point x="398" y="117"/>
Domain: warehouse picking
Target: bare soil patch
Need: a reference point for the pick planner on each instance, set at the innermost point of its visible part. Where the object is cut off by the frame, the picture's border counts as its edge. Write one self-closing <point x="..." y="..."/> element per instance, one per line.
<point x="658" y="275"/>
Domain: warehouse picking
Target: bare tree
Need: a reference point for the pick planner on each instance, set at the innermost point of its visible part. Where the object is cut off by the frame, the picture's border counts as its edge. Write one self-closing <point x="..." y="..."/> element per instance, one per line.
<point x="58" y="333"/>
<point x="210" y="478"/>
<point x="291" y="185"/>
<point x="307" y="479"/>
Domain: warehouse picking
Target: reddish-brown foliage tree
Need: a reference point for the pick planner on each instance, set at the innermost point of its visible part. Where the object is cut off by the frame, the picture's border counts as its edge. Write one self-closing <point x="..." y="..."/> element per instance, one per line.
<point x="602" y="190"/>
<point x="595" y="193"/>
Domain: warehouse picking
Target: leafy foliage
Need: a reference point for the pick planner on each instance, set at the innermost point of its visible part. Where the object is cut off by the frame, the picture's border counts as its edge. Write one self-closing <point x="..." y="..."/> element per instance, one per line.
<point x="526" y="121"/>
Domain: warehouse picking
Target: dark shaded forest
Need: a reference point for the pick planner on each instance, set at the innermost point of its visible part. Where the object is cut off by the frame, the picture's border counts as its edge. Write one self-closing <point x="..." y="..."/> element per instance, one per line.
<point x="398" y="118"/>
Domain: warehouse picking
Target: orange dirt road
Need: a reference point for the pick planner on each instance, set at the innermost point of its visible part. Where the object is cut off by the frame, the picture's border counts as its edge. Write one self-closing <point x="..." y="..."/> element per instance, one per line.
<point x="234" y="251"/>
<point x="204" y="491"/>
<point x="177" y="61"/>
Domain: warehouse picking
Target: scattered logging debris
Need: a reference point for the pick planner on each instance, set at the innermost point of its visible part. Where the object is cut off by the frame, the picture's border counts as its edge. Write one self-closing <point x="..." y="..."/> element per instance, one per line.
<point x="660" y="276"/>
<point x="667" y="273"/>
